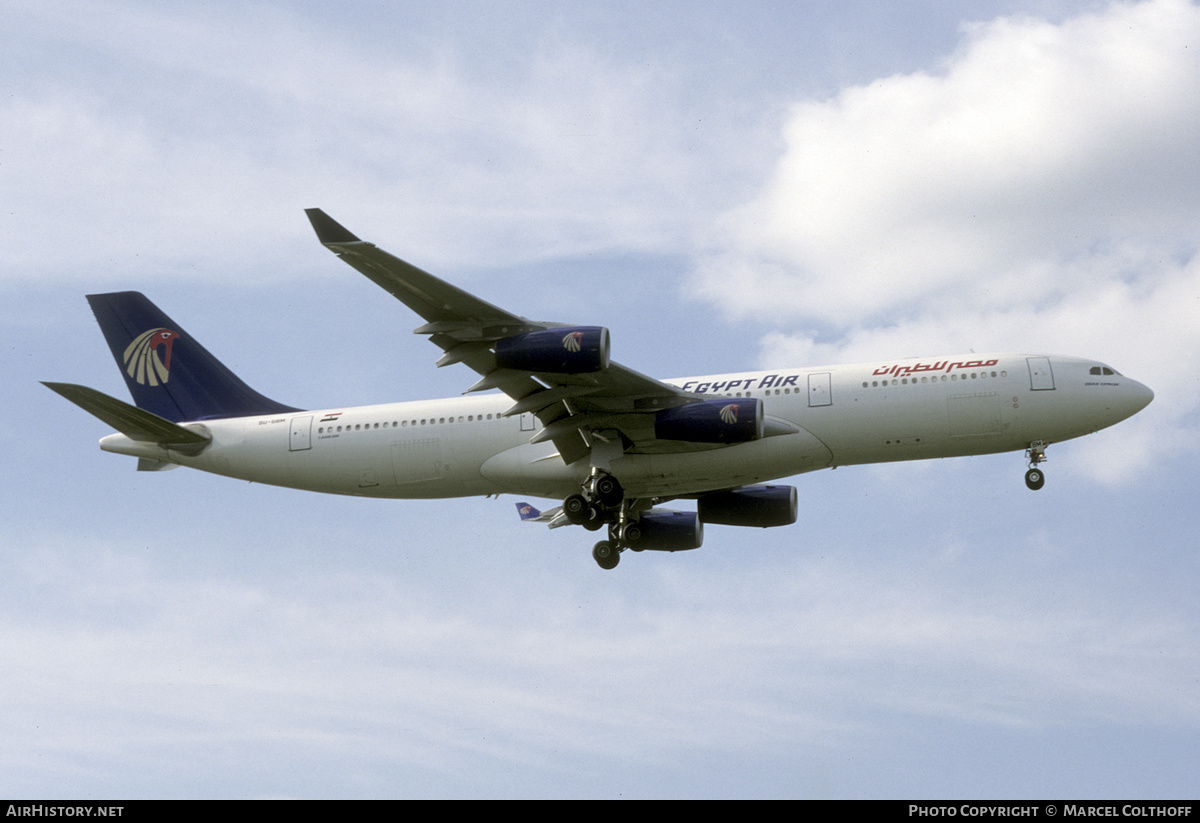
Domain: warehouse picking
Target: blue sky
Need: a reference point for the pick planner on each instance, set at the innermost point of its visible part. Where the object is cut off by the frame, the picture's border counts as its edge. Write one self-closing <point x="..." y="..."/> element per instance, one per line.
<point x="725" y="186"/>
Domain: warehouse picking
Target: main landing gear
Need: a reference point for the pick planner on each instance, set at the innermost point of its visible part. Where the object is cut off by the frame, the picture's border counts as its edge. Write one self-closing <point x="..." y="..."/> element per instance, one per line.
<point x="1035" y="478"/>
<point x="603" y="503"/>
<point x="606" y="554"/>
<point x="623" y="533"/>
<point x="592" y="509"/>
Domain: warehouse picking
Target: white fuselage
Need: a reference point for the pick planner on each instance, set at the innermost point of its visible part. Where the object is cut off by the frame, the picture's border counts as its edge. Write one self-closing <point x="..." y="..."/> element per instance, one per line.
<point x="866" y="413"/>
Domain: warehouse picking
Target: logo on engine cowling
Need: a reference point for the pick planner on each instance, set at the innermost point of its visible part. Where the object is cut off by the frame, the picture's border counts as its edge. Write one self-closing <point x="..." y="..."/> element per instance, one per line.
<point x="573" y="341"/>
<point x="729" y="413"/>
<point x="142" y="361"/>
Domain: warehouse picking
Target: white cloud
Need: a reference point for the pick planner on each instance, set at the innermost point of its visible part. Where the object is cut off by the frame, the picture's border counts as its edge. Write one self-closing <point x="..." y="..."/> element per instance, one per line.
<point x="560" y="150"/>
<point x="1037" y="144"/>
<point x="370" y="666"/>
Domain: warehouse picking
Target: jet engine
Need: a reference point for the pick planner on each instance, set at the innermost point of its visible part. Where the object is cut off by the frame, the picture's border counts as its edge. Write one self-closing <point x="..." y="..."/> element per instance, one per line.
<point x="666" y="531"/>
<point x="761" y="506"/>
<point x="725" y="420"/>
<point x="562" y="350"/>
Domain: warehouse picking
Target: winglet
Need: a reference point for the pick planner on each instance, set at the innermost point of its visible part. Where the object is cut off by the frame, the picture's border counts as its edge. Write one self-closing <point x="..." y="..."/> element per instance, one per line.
<point x="329" y="230"/>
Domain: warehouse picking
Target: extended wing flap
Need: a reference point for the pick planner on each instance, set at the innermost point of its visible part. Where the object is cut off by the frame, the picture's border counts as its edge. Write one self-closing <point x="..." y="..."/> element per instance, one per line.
<point x="134" y="423"/>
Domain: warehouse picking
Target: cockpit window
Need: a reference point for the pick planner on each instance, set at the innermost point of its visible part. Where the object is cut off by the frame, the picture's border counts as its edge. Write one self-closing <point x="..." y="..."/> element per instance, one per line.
<point x="1105" y="370"/>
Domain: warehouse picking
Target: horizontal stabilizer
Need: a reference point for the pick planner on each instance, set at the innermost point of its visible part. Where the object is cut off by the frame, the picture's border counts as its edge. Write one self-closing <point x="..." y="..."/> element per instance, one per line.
<point x="134" y="423"/>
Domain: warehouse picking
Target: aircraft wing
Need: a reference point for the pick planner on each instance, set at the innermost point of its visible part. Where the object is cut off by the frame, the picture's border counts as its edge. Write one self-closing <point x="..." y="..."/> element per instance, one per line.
<point x="571" y="407"/>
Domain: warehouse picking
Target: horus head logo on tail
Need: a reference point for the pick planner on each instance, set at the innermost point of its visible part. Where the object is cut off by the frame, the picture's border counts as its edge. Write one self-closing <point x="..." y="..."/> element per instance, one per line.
<point x="142" y="361"/>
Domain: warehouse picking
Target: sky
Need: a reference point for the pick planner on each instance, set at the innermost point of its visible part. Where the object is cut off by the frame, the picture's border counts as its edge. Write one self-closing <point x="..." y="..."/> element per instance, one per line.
<point x="726" y="186"/>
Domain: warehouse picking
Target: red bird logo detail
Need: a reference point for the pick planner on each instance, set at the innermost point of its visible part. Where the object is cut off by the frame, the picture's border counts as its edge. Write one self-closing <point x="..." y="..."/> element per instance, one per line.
<point x="142" y="362"/>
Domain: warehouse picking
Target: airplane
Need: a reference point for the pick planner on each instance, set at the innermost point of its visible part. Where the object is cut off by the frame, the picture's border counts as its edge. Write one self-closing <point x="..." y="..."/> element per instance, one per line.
<point x="569" y="424"/>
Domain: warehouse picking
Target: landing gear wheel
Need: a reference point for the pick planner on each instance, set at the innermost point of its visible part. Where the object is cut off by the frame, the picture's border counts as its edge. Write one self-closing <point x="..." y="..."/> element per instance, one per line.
<point x="576" y="508"/>
<point x="1034" y="479"/>
<point x="606" y="555"/>
<point x="593" y="519"/>
<point x="609" y="491"/>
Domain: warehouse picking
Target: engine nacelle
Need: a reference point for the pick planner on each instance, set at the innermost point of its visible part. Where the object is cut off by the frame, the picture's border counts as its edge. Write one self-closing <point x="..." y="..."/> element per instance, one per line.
<point x="761" y="506"/>
<point x="565" y="350"/>
<point x="726" y="420"/>
<point x="668" y="531"/>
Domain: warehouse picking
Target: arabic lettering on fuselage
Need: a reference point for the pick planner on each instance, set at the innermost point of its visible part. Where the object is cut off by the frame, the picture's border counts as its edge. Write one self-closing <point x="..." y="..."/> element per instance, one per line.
<point x="941" y="366"/>
<point x="779" y="381"/>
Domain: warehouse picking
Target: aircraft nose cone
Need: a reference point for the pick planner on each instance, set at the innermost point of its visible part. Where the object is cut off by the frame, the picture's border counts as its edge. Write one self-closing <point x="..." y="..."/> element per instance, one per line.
<point x="1132" y="398"/>
<point x="1142" y="395"/>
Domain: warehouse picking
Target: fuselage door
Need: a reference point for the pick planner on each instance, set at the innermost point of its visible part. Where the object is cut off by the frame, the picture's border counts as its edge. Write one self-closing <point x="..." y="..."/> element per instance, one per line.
<point x="301" y="433"/>
<point x="818" y="390"/>
<point x="1041" y="378"/>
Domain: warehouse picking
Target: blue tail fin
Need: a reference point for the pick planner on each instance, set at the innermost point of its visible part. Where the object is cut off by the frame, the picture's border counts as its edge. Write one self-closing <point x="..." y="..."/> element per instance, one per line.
<point x="168" y="373"/>
<point x="527" y="512"/>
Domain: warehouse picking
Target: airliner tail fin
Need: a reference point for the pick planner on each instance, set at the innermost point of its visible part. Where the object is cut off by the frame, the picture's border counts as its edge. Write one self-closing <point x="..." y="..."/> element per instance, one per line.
<point x="167" y="371"/>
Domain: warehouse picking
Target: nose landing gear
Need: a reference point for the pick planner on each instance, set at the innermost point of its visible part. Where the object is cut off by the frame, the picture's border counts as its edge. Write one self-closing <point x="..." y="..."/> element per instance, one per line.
<point x="1035" y="478"/>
